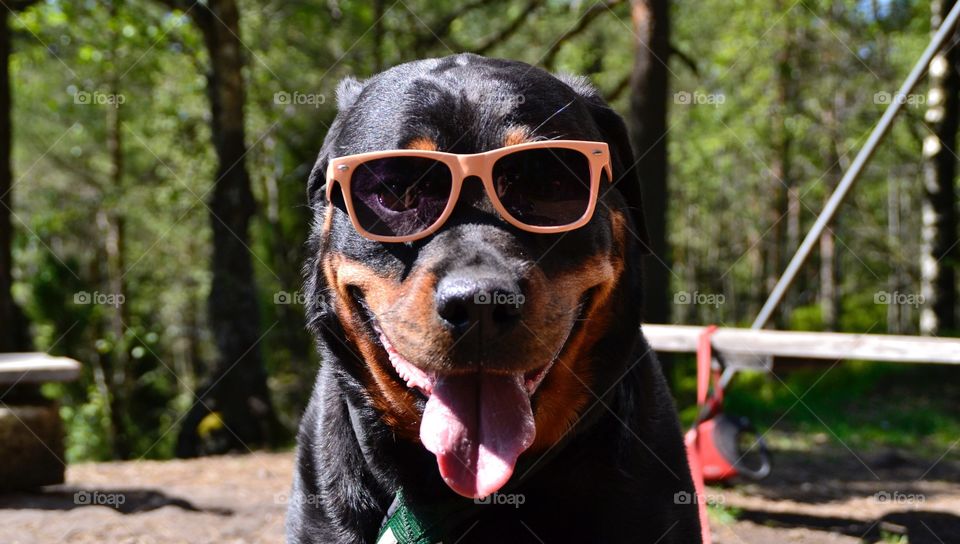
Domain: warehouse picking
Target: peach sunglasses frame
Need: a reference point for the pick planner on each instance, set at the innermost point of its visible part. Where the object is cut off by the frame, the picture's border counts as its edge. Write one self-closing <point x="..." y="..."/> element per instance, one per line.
<point x="476" y="164"/>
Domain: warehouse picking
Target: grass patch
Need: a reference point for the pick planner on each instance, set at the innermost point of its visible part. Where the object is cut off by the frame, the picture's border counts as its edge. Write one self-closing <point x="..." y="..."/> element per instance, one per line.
<point x="865" y="405"/>
<point x="721" y="514"/>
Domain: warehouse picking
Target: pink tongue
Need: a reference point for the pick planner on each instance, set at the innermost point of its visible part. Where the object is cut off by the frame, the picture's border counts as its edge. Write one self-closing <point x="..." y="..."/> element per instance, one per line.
<point x="477" y="425"/>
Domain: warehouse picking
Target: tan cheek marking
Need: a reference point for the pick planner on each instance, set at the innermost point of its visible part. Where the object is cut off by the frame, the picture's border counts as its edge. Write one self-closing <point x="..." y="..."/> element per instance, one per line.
<point x="422" y="144"/>
<point x="380" y="291"/>
<point x="516" y="135"/>
<point x="392" y="399"/>
<point x="412" y="324"/>
<point x="564" y="394"/>
<point x="620" y="231"/>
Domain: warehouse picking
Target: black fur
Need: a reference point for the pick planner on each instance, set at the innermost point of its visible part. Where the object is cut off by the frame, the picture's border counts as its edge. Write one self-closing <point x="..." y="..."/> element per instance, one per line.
<point x="615" y="475"/>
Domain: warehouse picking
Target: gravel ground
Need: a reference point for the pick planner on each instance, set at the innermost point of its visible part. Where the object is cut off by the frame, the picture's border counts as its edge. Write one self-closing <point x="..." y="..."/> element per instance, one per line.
<point x="827" y="497"/>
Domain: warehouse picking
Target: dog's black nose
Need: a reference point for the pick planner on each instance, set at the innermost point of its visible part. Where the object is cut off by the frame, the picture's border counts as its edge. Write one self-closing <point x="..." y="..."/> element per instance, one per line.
<point x="475" y="303"/>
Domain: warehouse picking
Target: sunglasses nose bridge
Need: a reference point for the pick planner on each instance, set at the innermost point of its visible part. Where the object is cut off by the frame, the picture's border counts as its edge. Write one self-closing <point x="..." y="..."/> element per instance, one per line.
<point x="472" y="166"/>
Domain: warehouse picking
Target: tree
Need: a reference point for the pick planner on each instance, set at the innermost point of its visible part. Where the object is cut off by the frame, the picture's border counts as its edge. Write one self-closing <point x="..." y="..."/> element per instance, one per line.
<point x="939" y="253"/>
<point x="118" y="378"/>
<point x="237" y="389"/>
<point x="648" y="130"/>
<point x="14" y="333"/>
<point x="785" y="207"/>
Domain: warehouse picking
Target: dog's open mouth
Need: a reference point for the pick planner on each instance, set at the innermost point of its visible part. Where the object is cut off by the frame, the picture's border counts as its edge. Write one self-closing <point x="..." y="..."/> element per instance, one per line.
<point x="423" y="382"/>
<point x="477" y="424"/>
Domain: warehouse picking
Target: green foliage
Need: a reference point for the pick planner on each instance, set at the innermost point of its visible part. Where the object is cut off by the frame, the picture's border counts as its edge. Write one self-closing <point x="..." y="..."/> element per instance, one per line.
<point x="86" y="429"/>
<point x="807" y="318"/>
<point x="725" y="219"/>
<point x="864" y="405"/>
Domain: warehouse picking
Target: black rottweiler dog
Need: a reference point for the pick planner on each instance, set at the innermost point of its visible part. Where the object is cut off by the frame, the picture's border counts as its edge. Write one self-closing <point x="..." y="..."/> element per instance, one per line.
<point x="484" y="377"/>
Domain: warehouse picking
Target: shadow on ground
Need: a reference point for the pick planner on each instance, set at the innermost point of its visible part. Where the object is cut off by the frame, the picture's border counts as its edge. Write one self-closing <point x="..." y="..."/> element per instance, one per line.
<point x="125" y="501"/>
<point x="835" y="475"/>
<point x="920" y="527"/>
<point x="870" y="496"/>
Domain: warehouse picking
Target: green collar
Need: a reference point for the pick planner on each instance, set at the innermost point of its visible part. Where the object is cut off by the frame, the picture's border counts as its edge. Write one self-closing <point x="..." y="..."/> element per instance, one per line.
<point x="409" y="524"/>
<point x="406" y="523"/>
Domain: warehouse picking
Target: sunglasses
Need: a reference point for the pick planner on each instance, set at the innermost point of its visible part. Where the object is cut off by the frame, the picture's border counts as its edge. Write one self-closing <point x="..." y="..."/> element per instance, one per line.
<point x="404" y="195"/>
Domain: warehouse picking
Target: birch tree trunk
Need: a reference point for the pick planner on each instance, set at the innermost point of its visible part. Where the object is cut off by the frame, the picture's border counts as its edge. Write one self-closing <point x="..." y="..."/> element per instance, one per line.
<point x="939" y="251"/>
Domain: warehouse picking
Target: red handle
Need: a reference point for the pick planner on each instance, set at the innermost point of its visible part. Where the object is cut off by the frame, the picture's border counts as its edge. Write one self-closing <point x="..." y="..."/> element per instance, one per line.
<point x="704" y="372"/>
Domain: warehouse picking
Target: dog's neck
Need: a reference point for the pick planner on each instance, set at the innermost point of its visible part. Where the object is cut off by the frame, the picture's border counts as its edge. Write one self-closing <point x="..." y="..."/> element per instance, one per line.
<point x="389" y="463"/>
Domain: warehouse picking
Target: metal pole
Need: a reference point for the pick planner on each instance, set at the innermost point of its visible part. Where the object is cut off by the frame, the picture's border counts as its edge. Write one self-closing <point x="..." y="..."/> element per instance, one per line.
<point x="851" y="175"/>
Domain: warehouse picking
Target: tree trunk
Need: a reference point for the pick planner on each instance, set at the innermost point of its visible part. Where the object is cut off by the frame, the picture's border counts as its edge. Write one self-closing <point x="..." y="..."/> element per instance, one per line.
<point x="237" y="389"/>
<point x="648" y="130"/>
<point x="115" y="364"/>
<point x="895" y="279"/>
<point x="939" y="252"/>
<point x="111" y="222"/>
<point x="14" y="331"/>
<point x="9" y="322"/>
<point x="829" y="276"/>
<point x="784" y="213"/>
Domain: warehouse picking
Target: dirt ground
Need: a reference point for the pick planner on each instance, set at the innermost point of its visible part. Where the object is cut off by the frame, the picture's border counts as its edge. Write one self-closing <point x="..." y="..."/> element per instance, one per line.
<point x="810" y="498"/>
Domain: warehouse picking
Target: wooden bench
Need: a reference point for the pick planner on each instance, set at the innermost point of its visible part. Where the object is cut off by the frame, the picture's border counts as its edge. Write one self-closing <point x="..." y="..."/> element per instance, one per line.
<point x="753" y="349"/>
<point x="31" y="433"/>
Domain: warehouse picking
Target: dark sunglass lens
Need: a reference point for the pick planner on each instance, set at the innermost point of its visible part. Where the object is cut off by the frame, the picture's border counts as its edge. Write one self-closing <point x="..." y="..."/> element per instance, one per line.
<point x="400" y="196"/>
<point x="544" y="187"/>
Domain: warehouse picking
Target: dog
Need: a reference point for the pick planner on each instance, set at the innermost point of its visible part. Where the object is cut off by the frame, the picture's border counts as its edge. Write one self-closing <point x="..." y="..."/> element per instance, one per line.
<point x="473" y="284"/>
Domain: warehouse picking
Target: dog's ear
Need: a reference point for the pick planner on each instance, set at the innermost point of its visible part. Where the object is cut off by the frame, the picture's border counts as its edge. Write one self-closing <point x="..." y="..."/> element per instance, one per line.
<point x="614" y="132"/>
<point x="348" y="91"/>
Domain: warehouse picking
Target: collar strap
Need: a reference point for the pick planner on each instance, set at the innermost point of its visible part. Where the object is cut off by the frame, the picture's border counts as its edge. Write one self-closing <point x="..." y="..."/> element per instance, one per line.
<point x="409" y="524"/>
<point x="406" y="523"/>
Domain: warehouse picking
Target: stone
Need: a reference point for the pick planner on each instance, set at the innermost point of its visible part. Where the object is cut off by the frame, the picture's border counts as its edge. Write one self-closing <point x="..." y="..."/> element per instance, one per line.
<point x="31" y="446"/>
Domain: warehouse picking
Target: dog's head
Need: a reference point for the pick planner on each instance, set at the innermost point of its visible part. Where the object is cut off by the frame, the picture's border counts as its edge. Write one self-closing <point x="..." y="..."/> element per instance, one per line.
<point x="481" y="340"/>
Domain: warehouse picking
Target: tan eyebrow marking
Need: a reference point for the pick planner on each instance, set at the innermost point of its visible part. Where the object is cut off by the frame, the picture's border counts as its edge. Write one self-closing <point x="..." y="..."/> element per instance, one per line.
<point x="422" y="144"/>
<point x="516" y="135"/>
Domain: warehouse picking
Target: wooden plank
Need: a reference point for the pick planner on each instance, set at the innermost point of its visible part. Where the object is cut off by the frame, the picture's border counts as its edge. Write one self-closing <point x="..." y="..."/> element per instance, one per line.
<point x="747" y="343"/>
<point x="36" y="368"/>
